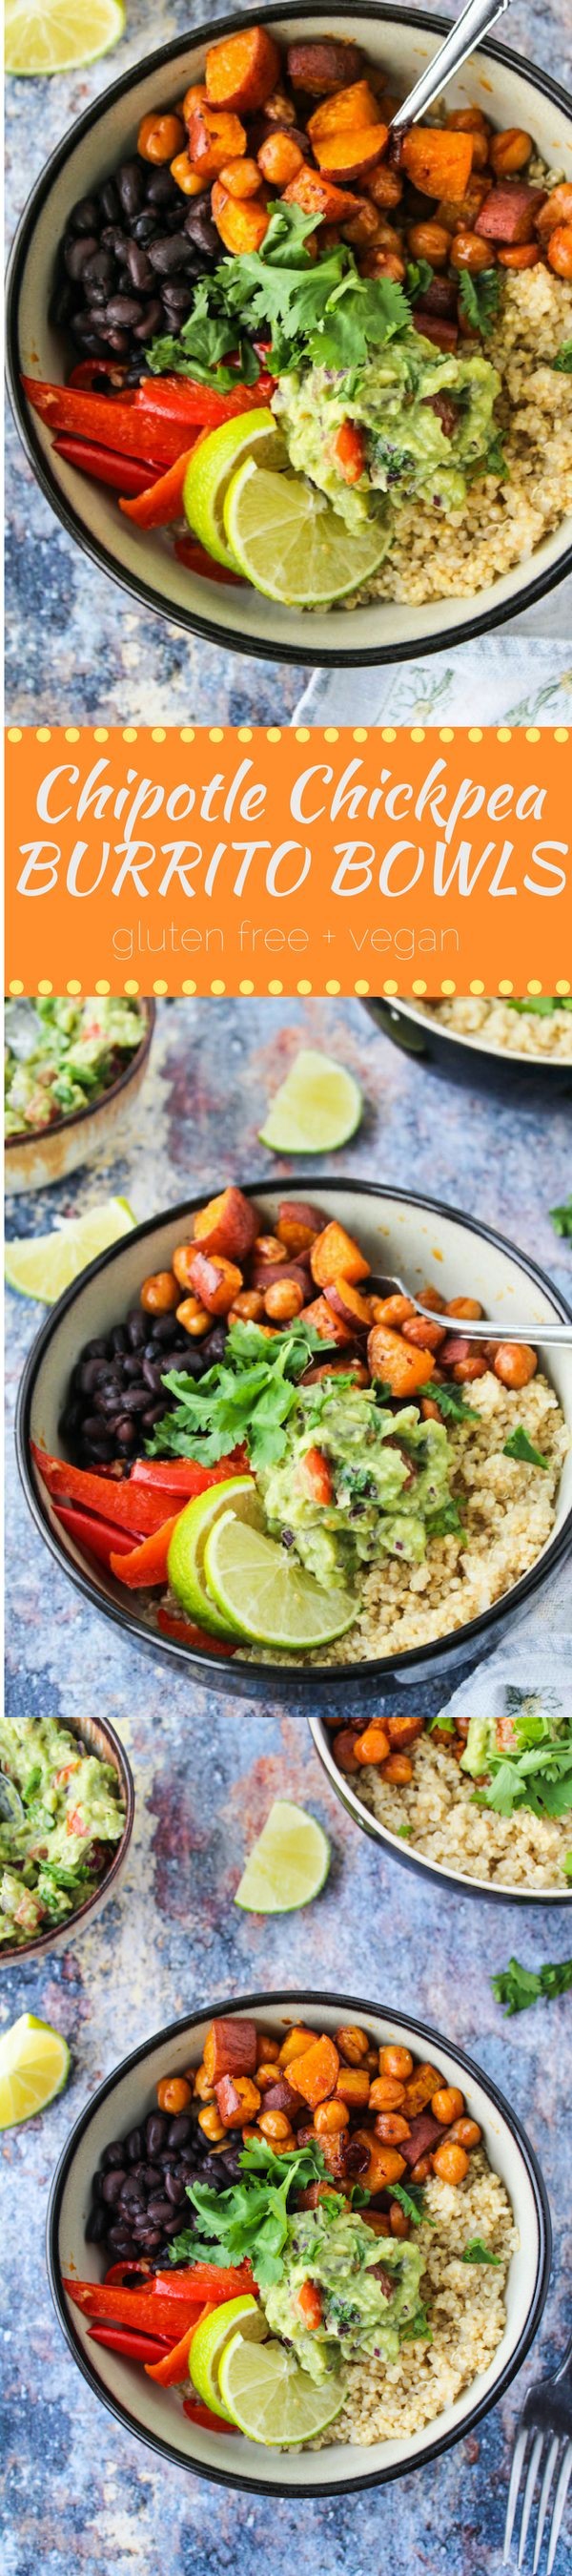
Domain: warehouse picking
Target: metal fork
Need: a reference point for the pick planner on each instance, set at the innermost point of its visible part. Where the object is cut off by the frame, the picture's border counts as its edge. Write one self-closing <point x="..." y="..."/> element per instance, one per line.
<point x="547" y="2415"/>
<point x="485" y="1330"/>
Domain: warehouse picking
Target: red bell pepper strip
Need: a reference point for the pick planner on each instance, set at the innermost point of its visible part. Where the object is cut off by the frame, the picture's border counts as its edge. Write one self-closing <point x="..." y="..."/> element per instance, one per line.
<point x="172" y="2367"/>
<point x="184" y="1634"/>
<point x="147" y="2309"/>
<point x="99" y="1537"/>
<point x="123" y="473"/>
<point x="90" y="370"/>
<point x="206" y="2281"/>
<point x="163" y="501"/>
<point x="196" y="559"/>
<point x="200" y="2414"/>
<point x="123" y="2271"/>
<point x="147" y="1564"/>
<point x="110" y="419"/>
<point x="179" y="398"/>
<point x="153" y="2350"/>
<point x="186" y="1476"/>
<point x="139" y="1508"/>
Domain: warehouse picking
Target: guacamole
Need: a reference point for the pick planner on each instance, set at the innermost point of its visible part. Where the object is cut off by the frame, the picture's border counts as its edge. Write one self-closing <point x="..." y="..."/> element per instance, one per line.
<point x="60" y="1809"/>
<point x="412" y="448"/>
<point x="60" y="1055"/>
<point x="389" y="1475"/>
<point x="369" y="2289"/>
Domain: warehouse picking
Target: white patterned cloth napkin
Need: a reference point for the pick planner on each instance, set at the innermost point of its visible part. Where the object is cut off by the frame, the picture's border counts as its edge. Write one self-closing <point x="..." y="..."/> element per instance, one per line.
<point x="534" y="1661"/>
<point x="520" y="676"/>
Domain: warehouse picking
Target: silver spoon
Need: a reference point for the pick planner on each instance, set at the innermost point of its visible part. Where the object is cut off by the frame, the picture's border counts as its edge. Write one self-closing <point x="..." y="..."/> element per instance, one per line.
<point x="11" y="1809"/>
<point x="473" y="23"/>
<point x="553" y="1333"/>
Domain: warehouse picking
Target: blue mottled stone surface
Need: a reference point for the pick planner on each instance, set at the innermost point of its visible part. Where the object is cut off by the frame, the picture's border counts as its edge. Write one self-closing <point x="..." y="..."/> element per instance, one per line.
<point x="80" y="2494"/>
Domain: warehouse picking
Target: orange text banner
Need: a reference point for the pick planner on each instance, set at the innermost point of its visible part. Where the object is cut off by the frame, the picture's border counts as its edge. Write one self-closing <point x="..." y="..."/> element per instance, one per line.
<point x="289" y="860"/>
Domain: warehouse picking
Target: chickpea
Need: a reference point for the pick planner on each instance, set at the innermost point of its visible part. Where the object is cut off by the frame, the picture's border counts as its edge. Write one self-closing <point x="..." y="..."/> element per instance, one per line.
<point x="372" y="1746"/>
<point x="560" y="251"/>
<point x="510" y="151"/>
<point x="524" y="255"/>
<point x="194" y="1318"/>
<point x="396" y="2061"/>
<point x="468" y="1309"/>
<point x="174" y="2094"/>
<point x="266" y="2075"/>
<point x="424" y="1336"/>
<point x="353" y="2044"/>
<point x="429" y="241"/>
<point x="465" y="2133"/>
<point x="465" y="1371"/>
<point x="194" y="98"/>
<point x="421" y="2171"/>
<point x="267" y="2050"/>
<point x="364" y="225"/>
<point x="241" y="178"/>
<point x="159" y="1293"/>
<point x="159" y="137"/>
<point x="283" y="1300"/>
<point x="394" y="1311"/>
<point x="468" y="251"/>
<point x="211" y="2124"/>
<point x="516" y="1362"/>
<point x="400" y="2224"/>
<point x="450" y="2162"/>
<point x="391" y="2127"/>
<point x="385" y="186"/>
<point x="186" y="177"/>
<point x="182" y="1260"/>
<point x="268" y="1248"/>
<point x="353" y="2087"/>
<point x="432" y="1296"/>
<point x="275" y="2127"/>
<point x="398" y="1769"/>
<point x="330" y="2118"/>
<point x="204" y="2090"/>
<point x="343" y="1750"/>
<point x="383" y="263"/>
<point x="557" y="209"/>
<point x="248" y="1307"/>
<point x="387" y="2094"/>
<point x="467" y="120"/>
<point x="447" y="2104"/>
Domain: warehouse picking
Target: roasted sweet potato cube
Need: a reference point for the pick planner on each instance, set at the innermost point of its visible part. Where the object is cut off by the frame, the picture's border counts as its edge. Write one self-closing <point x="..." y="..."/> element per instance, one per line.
<point x="241" y="224"/>
<point x="437" y="161"/>
<point x="298" y="1224"/>
<point x="214" y="139"/>
<point x="423" y="2135"/>
<point x="347" y="1301"/>
<point x="215" y="1281"/>
<point x="324" y="65"/>
<point x="335" y="1255"/>
<point x="264" y="1274"/>
<point x="241" y="71"/>
<point x="419" y="2089"/>
<point x="317" y="197"/>
<point x="349" y="107"/>
<point x="508" y="213"/>
<point x="330" y="1327"/>
<point x="314" y="2074"/>
<point x="350" y="153"/>
<point x="395" y="1361"/>
<point x="230" y="2048"/>
<point x="385" y="2165"/>
<point x="227" y="1224"/>
<point x="237" y="2099"/>
<point x="282" y="2096"/>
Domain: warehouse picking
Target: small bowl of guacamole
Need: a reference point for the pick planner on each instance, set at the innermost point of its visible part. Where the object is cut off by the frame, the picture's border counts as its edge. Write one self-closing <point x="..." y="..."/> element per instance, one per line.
<point x="67" y="1804"/>
<point x="71" y="1070"/>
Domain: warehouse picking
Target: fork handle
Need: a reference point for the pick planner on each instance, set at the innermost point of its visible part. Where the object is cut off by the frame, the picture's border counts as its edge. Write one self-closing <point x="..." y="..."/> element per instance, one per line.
<point x="461" y="41"/>
<point x="564" y="2365"/>
<point x="551" y="1334"/>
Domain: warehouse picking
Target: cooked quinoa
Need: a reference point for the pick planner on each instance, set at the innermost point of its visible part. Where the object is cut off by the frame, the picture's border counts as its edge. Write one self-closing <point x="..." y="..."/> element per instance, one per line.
<point x="501" y="521"/>
<point x="491" y="1023"/>
<point x="466" y="2313"/>
<point x="443" y="1822"/>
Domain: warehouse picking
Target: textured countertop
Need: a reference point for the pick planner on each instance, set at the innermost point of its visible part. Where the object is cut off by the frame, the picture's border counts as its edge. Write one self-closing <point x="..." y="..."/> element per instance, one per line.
<point x="76" y="645"/>
<point x="79" y="2492"/>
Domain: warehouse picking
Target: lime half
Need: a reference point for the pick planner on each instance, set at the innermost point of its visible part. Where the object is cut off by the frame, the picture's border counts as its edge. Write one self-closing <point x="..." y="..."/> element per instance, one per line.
<point x="59" y="35"/>
<point x="265" y="1597"/>
<point x="286" y="539"/>
<point x="185" y="1562"/>
<point x="316" y="1109"/>
<point x="288" y="1865"/>
<point x="209" y="2342"/>
<point x="43" y="1265"/>
<point x="34" y="2065"/>
<point x="211" y="470"/>
<point x="271" y="2398"/>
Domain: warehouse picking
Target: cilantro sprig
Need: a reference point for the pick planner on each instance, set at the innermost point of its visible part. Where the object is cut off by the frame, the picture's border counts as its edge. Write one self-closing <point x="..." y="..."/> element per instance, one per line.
<point x="516" y="1987"/>
<point x="478" y="2252"/>
<point x="245" y="1399"/>
<point x="535" y="1772"/>
<point x="561" y="1219"/>
<point x="519" y="1445"/>
<point x="540" y="1006"/>
<point x="249" y="2222"/>
<point x="563" y="363"/>
<point x="452" y="1403"/>
<point x="479" y="299"/>
<point x="319" y="312"/>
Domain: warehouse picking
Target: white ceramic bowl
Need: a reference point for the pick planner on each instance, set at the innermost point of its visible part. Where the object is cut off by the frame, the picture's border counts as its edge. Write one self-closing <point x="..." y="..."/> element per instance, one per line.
<point x="473" y="1062"/>
<point x="129" y="2094"/>
<point x="392" y="1844"/>
<point x="102" y="1741"/>
<point x="400" y="1233"/>
<point x="513" y="93"/>
<point x="37" y="1159"/>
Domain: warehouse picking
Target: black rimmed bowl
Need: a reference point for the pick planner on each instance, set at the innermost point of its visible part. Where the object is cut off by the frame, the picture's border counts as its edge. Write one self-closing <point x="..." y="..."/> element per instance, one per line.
<point x="34" y="1161"/>
<point x="513" y="93"/>
<point x="394" y="1847"/>
<point x="470" y="1060"/>
<point x="100" y="1739"/>
<point x="149" y="2412"/>
<point x="399" y="1232"/>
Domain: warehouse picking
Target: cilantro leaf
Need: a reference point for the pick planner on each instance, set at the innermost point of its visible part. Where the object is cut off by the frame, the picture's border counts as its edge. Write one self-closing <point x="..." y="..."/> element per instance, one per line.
<point x="451" y="1400"/>
<point x="534" y="1772"/>
<point x="477" y="2252"/>
<point x="412" y="2202"/>
<point x="568" y="1865"/>
<point x="245" y="1399"/>
<point x="562" y="1219"/>
<point x="563" y="363"/>
<point x="320" y="312"/>
<point x="495" y="460"/>
<point x="517" y="1987"/>
<point x="446" y="1725"/>
<point x="541" y="1006"/>
<point x="518" y="1445"/>
<point x="419" y="276"/>
<point x="249" y="2222"/>
<point x="446" y="1518"/>
<point x="479" y="299"/>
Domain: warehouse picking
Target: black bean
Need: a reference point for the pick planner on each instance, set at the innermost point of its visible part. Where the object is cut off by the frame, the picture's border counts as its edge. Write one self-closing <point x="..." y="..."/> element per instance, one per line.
<point x="93" y="1429"/>
<point x="114" y="2154"/>
<point x="95" y="1350"/>
<point x="136" y="1327"/>
<point x="133" y="2194"/>
<point x="112" y="2185"/>
<point x="120" y="2239"/>
<point x="140" y="271"/>
<point x="99" y="270"/>
<point x="149" y="2239"/>
<point x="151" y="321"/>
<point x="96" y="2227"/>
<point x="61" y="304"/>
<point x="156" y="2132"/>
<point x="118" y="1340"/>
<point x="177" y="301"/>
<point x="85" y="217"/>
<point x="170" y="254"/>
<point x="200" y="229"/>
<point x="109" y="201"/>
<point x="107" y="1399"/>
<point x="124" y="1432"/>
<point x="172" y="2224"/>
<point x="160" y="188"/>
<point x="152" y="1374"/>
<point x="78" y="253"/>
<point x="122" y="311"/>
<point x="144" y="227"/>
<point x="213" y="1347"/>
<point x="151" y="2177"/>
<point x="153" y="1414"/>
<point x="134" y="2145"/>
<point x="134" y="1399"/>
<point x="159" y="2210"/>
<point x="179" y="2130"/>
<point x="164" y="1330"/>
<point x="175" y="2189"/>
<point x="91" y="1375"/>
<point x="131" y="187"/>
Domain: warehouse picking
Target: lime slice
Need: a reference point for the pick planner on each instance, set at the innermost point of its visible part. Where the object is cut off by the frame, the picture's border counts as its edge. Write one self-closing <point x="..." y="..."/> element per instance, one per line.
<point x="316" y="1109"/>
<point x="286" y="539"/>
<point x="42" y="1265"/>
<point x="185" y="1562"/>
<point x="264" y="1596"/>
<point x="271" y="2398"/>
<point x="59" y="35"/>
<point x="34" y="2065"/>
<point x="209" y="2342"/>
<point x="288" y="1865"/>
<point x="211" y="470"/>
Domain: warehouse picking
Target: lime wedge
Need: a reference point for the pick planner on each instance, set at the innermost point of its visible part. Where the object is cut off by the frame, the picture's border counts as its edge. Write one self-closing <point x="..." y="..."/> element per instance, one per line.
<point x="288" y="1865"/>
<point x="209" y="2342"/>
<point x="212" y="467"/>
<point x="43" y="1265"/>
<point x="185" y="1562"/>
<point x="271" y="2398"/>
<point x="316" y="1109"/>
<point x="59" y="35"/>
<point x="286" y="539"/>
<point x="34" y="2065"/>
<point x="264" y="1596"/>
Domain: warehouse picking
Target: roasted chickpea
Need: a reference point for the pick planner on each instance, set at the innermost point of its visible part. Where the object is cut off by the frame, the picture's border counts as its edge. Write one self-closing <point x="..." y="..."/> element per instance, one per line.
<point x="385" y="186"/>
<point x="429" y="241"/>
<point x="383" y="263"/>
<point x="276" y="2129"/>
<point x="465" y="2133"/>
<point x="159" y="137"/>
<point x="468" y="251"/>
<point x="353" y="2087"/>
<point x="450" y="2162"/>
<point x="363" y="226"/>
<point x="194" y="98"/>
<point x="398" y="1769"/>
<point x="468" y="1309"/>
<point x="387" y="2094"/>
<point x="343" y="1750"/>
<point x="516" y="1362"/>
<point x="391" y="2127"/>
<point x="248" y="1307"/>
<point x="421" y="2171"/>
<point x="174" y="2094"/>
<point x="400" y="2224"/>
<point x="331" y="2118"/>
<point x="205" y="2091"/>
<point x="372" y="1746"/>
<point x="267" y="2050"/>
<point x="186" y="177"/>
<point x="194" y="1318"/>
<point x="560" y="251"/>
<point x="509" y="151"/>
<point x="467" y="120"/>
<point x="557" y="209"/>
<point x="447" y="2104"/>
<point x="396" y="2061"/>
<point x="283" y="1300"/>
<point x="424" y="1336"/>
<point x="241" y="178"/>
<point x="211" y="2124"/>
<point x="268" y="1248"/>
<point x="466" y="1371"/>
<point x="392" y="1310"/>
<point x="266" y="2075"/>
<point x="524" y="255"/>
<point x="353" y="2044"/>
<point x="159" y="1293"/>
<point x="182" y="1260"/>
